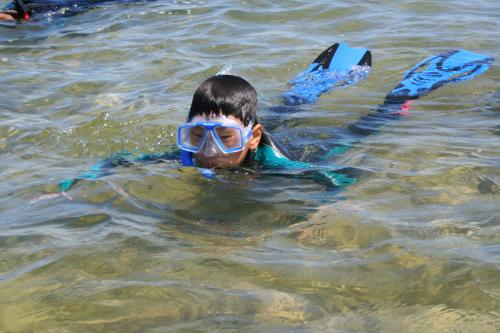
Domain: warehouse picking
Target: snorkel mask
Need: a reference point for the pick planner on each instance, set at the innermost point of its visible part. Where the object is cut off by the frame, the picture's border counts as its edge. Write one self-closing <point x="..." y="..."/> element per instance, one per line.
<point x="221" y="136"/>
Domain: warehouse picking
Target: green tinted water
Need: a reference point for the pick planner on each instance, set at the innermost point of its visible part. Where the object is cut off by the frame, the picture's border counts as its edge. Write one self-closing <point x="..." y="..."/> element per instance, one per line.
<point x="414" y="246"/>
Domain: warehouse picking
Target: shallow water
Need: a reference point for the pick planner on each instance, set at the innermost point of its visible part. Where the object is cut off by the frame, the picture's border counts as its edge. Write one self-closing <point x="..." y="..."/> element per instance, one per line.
<point x="413" y="246"/>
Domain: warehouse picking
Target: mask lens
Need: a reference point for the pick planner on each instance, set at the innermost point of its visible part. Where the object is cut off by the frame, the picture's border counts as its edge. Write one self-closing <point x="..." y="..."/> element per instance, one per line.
<point x="191" y="136"/>
<point x="229" y="137"/>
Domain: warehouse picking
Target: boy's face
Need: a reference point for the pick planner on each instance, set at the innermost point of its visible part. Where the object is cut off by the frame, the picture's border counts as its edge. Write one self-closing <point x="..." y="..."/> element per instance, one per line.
<point x="210" y="155"/>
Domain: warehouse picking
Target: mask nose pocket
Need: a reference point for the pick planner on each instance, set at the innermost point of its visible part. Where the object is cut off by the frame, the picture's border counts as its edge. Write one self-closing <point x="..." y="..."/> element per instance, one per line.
<point x="210" y="147"/>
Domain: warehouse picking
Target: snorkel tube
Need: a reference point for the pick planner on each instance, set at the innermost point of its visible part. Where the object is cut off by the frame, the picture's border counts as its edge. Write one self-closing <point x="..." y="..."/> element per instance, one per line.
<point x="22" y="10"/>
<point x="186" y="158"/>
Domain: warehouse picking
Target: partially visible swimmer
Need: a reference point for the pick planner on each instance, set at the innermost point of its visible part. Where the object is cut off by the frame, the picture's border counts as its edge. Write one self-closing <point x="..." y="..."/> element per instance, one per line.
<point x="26" y="9"/>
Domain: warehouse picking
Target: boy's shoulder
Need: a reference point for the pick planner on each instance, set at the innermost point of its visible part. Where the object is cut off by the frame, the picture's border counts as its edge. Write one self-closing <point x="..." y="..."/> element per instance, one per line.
<point x="271" y="155"/>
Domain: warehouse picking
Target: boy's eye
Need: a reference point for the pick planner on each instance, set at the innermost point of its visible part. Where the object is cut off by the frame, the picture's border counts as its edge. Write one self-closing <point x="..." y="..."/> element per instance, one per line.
<point x="226" y="132"/>
<point x="230" y="137"/>
<point x="198" y="132"/>
<point x="196" y="135"/>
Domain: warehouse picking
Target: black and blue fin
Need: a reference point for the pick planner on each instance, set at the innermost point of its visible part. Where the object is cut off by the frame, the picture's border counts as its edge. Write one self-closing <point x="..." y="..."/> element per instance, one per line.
<point x="434" y="72"/>
<point x="339" y="65"/>
<point x="421" y="79"/>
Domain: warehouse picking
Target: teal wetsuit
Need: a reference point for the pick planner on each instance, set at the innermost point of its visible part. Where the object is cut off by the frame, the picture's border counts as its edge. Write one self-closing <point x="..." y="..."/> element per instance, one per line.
<point x="453" y="66"/>
<point x="272" y="156"/>
<point x="268" y="156"/>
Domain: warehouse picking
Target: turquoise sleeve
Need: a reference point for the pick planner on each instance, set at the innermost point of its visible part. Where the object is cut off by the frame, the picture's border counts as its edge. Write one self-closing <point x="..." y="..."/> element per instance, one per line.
<point x="98" y="170"/>
<point x="104" y="167"/>
<point x="269" y="158"/>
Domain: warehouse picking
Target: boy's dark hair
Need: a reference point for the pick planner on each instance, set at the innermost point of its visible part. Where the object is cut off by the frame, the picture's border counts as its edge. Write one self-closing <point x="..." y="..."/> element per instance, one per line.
<point x="228" y="95"/>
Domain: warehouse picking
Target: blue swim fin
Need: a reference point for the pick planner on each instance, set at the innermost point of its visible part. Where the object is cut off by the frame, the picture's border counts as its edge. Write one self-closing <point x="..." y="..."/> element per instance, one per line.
<point x="421" y="79"/>
<point x="434" y="72"/>
<point x="339" y="65"/>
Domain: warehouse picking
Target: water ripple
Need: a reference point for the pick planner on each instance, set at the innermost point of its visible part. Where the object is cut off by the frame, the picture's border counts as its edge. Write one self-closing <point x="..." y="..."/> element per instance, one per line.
<point x="412" y="246"/>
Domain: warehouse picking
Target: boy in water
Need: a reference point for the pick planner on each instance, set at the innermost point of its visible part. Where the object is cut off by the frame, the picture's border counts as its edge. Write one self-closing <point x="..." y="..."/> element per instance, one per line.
<point x="222" y="125"/>
<point x="223" y="130"/>
<point x="25" y="9"/>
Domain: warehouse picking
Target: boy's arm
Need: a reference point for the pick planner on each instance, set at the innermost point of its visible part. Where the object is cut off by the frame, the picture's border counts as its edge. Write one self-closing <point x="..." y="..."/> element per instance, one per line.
<point x="104" y="167"/>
